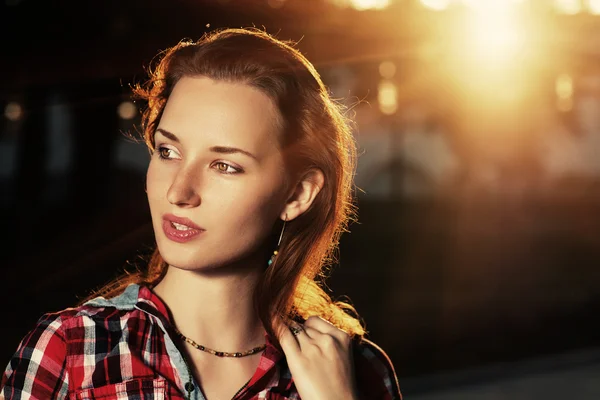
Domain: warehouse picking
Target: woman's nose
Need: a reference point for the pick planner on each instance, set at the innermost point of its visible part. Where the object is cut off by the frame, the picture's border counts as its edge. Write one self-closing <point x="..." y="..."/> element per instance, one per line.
<point x="183" y="191"/>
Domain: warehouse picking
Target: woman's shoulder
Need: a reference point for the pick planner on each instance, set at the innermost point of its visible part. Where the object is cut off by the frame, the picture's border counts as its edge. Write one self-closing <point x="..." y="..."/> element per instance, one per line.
<point x="97" y="309"/>
<point x="66" y="324"/>
<point x="375" y="374"/>
<point x="83" y="347"/>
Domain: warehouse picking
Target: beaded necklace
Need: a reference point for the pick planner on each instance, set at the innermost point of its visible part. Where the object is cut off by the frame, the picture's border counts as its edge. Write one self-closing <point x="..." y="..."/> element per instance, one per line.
<point x="255" y="350"/>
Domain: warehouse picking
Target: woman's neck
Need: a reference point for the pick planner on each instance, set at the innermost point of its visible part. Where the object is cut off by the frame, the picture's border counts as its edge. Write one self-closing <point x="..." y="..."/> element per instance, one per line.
<point x="214" y="310"/>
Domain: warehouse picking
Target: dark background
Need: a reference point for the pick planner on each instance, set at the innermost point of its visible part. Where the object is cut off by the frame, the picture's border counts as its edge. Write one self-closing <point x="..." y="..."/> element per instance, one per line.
<point x="464" y="275"/>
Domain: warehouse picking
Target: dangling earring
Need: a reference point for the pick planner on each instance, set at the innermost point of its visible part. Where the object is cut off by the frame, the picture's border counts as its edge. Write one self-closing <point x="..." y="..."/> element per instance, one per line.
<point x="272" y="259"/>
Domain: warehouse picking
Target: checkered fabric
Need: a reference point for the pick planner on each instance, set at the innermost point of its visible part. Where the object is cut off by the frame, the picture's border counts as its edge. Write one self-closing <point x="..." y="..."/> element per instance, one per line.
<point x="123" y="348"/>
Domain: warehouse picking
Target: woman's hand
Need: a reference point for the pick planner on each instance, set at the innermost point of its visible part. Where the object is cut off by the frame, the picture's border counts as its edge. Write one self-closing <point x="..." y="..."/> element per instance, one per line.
<point x="319" y="356"/>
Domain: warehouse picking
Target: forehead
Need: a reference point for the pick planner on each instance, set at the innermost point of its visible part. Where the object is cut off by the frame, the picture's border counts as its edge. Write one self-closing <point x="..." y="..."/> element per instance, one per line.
<point x="205" y="108"/>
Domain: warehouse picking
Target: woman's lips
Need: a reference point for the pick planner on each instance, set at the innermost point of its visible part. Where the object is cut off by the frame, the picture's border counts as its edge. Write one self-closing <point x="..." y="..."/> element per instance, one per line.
<point x="182" y="221"/>
<point x="180" y="229"/>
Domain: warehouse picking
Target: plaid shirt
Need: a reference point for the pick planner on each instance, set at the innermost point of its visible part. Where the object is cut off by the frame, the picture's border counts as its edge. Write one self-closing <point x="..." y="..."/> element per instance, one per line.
<point x="123" y="348"/>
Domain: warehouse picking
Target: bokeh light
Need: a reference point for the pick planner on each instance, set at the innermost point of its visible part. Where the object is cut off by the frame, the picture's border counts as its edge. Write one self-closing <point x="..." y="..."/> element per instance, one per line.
<point x="568" y="6"/>
<point x="564" y="92"/>
<point x="437" y="5"/>
<point x="594" y="7"/>
<point x="487" y="3"/>
<point x="13" y="111"/>
<point x="127" y="110"/>
<point x="387" y="69"/>
<point x="369" y="4"/>
<point x="387" y="97"/>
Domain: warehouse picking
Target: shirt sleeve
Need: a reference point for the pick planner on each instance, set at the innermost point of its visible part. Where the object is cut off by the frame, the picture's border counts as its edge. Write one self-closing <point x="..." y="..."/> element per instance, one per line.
<point x="375" y="375"/>
<point x="37" y="370"/>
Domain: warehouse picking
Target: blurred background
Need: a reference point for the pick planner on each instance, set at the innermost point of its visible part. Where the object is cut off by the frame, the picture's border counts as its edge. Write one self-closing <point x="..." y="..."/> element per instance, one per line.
<point x="475" y="259"/>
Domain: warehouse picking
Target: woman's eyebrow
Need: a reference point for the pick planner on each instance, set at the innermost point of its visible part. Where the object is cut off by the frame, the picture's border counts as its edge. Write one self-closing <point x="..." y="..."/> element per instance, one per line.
<point x="168" y="135"/>
<point x="231" y="150"/>
<point x="214" y="149"/>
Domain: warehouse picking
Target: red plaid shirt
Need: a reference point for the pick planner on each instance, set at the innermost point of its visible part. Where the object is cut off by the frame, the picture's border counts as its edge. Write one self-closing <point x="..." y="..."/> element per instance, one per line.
<point x="122" y="348"/>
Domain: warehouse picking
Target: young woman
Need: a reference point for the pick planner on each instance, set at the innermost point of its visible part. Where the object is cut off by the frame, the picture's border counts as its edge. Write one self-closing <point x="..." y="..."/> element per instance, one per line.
<point x="249" y="186"/>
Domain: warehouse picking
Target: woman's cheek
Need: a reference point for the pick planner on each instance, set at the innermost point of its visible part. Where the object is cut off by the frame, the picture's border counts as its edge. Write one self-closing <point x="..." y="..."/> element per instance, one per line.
<point x="152" y="177"/>
<point x="247" y="207"/>
<point x="159" y="179"/>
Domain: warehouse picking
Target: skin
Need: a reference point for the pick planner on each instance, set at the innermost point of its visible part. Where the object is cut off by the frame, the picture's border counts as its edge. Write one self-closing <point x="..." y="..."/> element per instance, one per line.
<point x="237" y="199"/>
<point x="320" y="359"/>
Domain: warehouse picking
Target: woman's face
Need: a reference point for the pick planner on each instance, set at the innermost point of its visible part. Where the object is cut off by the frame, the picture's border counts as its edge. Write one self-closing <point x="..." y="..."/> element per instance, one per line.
<point x="216" y="180"/>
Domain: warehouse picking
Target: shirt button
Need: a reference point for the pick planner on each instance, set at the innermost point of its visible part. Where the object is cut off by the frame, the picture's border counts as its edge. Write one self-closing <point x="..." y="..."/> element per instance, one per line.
<point x="189" y="386"/>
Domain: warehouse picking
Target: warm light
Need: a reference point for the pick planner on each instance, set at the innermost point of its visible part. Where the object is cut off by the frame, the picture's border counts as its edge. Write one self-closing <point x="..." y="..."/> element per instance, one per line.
<point x="369" y="4"/>
<point x="494" y="34"/>
<point x="437" y="5"/>
<point x="127" y="110"/>
<point x="387" y="97"/>
<point x="340" y="3"/>
<point x="485" y="3"/>
<point x="13" y="111"/>
<point x="594" y="7"/>
<point x="564" y="92"/>
<point x="564" y="105"/>
<point x="564" y="86"/>
<point x="276" y="3"/>
<point x="568" y="6"/>
<point x="387" y="69"/>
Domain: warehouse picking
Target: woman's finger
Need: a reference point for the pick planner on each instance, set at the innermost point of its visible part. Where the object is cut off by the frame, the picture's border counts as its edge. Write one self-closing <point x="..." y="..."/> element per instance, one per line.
<point x="288" y="342"/>
<point x="286" y="338"/>
<point x="296" y="329"/>
<point x="323" y="326"/>
<point x="305" y="336"/>
<point x="319" y="362"/>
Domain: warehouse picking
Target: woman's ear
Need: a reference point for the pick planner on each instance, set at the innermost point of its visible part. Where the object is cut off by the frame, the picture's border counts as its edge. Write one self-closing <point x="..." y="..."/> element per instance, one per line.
<point x="304" y="194"/>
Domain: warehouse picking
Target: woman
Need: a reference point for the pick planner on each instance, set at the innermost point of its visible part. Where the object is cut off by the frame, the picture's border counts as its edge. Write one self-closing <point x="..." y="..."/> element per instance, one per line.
<point x="249" y="187"/>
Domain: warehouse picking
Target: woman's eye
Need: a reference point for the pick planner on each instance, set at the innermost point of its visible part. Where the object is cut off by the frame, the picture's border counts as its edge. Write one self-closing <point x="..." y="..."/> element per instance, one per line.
<point x="165" y="153"/>
<point x="226" y="168"/>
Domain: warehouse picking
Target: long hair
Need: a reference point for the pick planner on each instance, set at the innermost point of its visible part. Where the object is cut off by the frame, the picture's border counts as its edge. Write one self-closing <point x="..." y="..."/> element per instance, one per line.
<point x="316" y="134"/>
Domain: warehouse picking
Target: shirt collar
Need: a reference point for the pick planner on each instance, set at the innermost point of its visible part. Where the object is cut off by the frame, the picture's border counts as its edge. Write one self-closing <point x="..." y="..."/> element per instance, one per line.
<point x="141" y="297"/>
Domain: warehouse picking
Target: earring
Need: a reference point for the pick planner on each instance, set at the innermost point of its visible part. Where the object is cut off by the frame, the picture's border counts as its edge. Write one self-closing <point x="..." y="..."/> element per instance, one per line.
<point x="272" y="259"/>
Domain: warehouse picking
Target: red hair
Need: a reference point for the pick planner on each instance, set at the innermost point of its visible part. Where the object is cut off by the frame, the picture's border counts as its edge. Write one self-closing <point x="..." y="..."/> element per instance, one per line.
<point x="316" y="134"/>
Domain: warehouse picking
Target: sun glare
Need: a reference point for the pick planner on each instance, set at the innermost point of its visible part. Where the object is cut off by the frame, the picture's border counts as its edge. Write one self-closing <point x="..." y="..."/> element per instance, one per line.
<point x="437" y="5"/>
<point x="594" y="7"/>
<point x="568" y="6"/>
<point x="494" y="33"/>
<point x="369" y="4"/>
